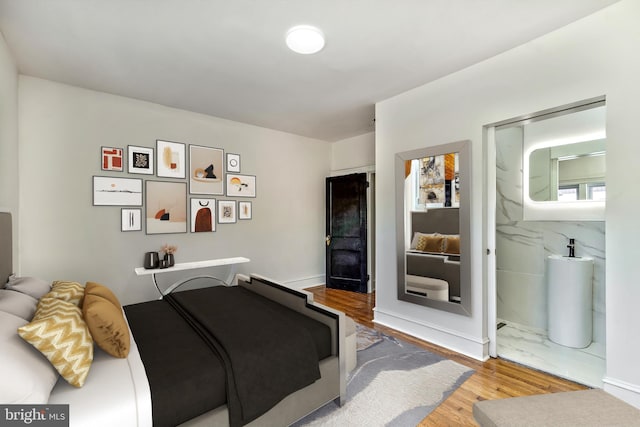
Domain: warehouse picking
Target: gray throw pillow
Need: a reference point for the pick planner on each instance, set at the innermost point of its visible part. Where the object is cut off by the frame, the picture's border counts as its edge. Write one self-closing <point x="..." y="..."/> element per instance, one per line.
<point x="18" y="304"/>
<point x="31" y="286"/>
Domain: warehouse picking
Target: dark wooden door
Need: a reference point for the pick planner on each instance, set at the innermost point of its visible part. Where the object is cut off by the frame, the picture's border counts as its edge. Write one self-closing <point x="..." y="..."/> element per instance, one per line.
<point x="346" y="240"/>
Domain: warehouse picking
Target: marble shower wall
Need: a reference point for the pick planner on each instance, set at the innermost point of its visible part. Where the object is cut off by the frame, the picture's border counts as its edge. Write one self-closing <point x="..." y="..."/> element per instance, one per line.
<point x="523" y="246"/>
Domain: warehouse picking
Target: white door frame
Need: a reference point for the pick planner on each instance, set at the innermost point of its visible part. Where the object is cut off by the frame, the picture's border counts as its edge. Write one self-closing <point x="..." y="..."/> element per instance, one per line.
<point x="489" y="178"/>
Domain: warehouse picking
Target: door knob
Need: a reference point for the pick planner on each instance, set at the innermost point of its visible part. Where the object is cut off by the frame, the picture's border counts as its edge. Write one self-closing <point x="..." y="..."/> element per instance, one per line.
<point x="328" y="239"/>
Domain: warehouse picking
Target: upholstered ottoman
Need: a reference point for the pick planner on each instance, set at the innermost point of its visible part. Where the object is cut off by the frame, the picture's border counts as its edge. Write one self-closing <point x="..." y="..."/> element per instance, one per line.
<point x="351" y="344"/>
<point x="572" y="408"/>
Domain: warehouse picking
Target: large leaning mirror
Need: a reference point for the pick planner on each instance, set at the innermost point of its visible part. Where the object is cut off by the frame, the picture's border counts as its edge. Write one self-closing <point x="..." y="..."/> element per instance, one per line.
<point x="433" y="226"/>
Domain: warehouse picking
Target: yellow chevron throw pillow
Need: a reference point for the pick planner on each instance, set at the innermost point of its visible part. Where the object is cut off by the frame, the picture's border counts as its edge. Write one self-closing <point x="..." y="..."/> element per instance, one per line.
<point x="59" y="332"/>
<point x="67" y="291"/>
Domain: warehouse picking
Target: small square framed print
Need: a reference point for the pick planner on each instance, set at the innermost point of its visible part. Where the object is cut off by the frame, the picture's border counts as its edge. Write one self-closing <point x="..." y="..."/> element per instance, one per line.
<point x="226" y="211"/>
<point x="131" y="219"/>
<point x="244" y="210"/>
<point x="233" y="162"/>
<point x="112" y="159"/>
<point x="140" y="160"/>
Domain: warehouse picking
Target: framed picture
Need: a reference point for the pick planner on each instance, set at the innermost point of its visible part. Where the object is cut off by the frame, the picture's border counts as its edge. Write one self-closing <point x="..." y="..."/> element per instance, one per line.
<point x="244" y="210"/>
<point x="140" y="159"/>
<point x="226" y="211"/>
<point x="166" y="207"/>
<point x="112" y="159"/>
<point x="171" y="159"/>
<point x="241" y="185"/>
<point x="206" y="170"/>
<point x="109" y="191"/>
<point x="233" y="162"/>
<point x="203" y="215"/>
<point x="131" y="220"/>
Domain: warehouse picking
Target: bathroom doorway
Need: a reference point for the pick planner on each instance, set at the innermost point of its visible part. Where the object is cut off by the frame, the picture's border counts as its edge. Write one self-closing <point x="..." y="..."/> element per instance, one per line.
<point x="528" y="219"/>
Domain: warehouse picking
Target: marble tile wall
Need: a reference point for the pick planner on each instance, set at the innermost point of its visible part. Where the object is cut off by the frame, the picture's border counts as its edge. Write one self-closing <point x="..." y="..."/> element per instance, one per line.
<point x="523" y="246"/>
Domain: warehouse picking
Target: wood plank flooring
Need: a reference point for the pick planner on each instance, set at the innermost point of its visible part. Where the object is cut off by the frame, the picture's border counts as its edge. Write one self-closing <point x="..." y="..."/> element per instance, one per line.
<point x="493" y="379"/>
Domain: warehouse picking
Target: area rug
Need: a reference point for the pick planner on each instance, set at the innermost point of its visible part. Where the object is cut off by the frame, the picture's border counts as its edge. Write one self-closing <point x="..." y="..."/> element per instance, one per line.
<point x="394" y="384"/>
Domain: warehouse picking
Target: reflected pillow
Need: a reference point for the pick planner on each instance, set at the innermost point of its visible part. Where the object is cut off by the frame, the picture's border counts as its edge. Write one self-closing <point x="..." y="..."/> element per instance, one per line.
<point x="452" y="244"/>
<point x="430" y="243"/>
<point x="31" y="286"/>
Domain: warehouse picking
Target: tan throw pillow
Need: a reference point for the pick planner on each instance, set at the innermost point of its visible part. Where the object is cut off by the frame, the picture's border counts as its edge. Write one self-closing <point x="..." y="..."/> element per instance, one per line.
<point x="430" y="243"/>
<point x="61" y="335"/>
<point x="452" y="244"/>
<point x="72" y="292"/>
<point x="106" y="321"/>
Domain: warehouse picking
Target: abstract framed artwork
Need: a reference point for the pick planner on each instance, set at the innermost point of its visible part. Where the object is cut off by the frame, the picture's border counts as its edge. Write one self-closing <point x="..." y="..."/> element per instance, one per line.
<point x="241" y="185"/>
<point x="140" y="159"/>
<point x="206" y="170"/>
<point x="226" y="211"/>
<point x="233" y="162"/>
<point x="166" y="207"/>
<point x="110" y="191"/>
<point x="131" y="219"/>
<point x="112" y="159"/>
<point x="203" y="215"/>
<point x="244" y="210"/>
<point x="171" y="160"/>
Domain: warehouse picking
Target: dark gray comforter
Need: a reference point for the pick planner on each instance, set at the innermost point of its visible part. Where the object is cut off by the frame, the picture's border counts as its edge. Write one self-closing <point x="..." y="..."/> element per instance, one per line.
<point x="206" y="347"/>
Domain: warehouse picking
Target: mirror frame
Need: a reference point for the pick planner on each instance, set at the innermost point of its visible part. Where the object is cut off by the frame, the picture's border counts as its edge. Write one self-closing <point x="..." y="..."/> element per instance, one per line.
<point x="463" y="148"/>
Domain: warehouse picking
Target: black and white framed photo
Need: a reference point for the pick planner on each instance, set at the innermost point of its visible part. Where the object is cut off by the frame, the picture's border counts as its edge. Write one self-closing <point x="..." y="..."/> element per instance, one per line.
<point x="244" y="210"/>
<point x="226" y="211"/>
<point x="140" y="159"/>
<point x="241" y="185"/>
<point x="166" y="207"/>
<point x="203" y="215"/>
<point x="110" y="191"/>
<point x="206" y="170"/>
<point x="171" y="159"/>
<point x="233" y="162"/>
<point x="131" y="219"/>
<point x="112" y="159"/>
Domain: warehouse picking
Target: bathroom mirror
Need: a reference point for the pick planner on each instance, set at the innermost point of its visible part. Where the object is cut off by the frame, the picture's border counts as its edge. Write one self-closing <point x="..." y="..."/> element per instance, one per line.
<point x="568" y="172"/>
<point x="433" y="227"/>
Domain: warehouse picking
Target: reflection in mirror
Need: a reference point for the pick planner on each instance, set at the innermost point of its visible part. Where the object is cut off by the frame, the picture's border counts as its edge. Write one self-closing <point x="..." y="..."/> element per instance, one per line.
<point x="568" y="172"/>
<point x="433" y="227"/>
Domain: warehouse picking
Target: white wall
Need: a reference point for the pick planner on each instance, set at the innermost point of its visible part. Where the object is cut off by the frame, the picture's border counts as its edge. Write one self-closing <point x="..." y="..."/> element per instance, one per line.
<point x="64" y="237"/>
<point x="594" y="56"/>
<point x="9" y="138"/>
<point x="352" y="153"/>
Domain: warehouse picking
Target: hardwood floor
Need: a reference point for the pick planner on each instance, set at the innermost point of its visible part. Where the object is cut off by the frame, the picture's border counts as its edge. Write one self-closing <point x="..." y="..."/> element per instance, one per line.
<point x="493" y="379"/>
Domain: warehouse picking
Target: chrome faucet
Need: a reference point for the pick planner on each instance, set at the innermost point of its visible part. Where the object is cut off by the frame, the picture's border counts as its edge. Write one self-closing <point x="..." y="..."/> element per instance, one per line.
<point x="572" y="248"/>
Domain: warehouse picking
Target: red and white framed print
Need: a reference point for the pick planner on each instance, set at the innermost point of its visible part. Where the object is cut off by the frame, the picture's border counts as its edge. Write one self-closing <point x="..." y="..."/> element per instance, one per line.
<point x="112" y="159"/>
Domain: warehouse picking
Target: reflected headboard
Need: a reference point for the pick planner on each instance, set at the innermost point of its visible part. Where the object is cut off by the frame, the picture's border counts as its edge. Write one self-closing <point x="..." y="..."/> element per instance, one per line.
<point x="6" y="248"/>
<point x="439" y="220"/>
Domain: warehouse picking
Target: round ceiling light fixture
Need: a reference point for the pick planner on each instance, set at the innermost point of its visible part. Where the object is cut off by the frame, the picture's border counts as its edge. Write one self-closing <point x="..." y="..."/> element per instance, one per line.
<point x="305" y="39"/>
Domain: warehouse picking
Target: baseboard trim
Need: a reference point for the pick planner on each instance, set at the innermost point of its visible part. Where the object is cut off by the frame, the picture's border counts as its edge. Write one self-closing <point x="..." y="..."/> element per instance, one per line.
<point x="467" y="345"/>
<point x="305" y="282"/>
<point x="628" y="392"/>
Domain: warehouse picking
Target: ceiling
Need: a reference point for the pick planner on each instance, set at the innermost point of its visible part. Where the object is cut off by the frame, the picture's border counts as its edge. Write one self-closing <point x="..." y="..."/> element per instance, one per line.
<point x="228" y="58"/>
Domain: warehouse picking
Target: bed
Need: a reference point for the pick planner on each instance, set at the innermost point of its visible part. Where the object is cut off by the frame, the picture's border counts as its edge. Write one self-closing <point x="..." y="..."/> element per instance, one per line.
<point x="433" y="256"/>
<point x="219" y="369"/>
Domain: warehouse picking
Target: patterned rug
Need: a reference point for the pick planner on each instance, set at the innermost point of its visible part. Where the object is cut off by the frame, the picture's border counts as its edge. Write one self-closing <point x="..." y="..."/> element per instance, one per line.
<point x="394" y="384"/>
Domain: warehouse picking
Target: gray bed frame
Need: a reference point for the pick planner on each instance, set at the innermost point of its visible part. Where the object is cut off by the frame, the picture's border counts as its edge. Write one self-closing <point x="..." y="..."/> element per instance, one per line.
<point x="330" y="387"/>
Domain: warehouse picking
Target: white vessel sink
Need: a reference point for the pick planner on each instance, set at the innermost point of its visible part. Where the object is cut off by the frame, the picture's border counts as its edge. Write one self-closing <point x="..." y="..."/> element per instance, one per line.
<point x="570" y="300"/>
